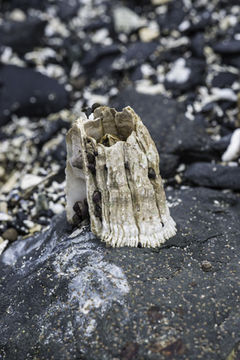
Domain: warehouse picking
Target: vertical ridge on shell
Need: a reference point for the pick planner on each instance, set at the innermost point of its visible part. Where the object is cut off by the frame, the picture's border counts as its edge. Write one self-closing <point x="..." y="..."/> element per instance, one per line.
<point x="113" y="162"/>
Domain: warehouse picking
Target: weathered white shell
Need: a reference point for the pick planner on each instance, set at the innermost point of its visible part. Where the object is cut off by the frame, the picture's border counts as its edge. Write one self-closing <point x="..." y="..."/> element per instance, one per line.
<point x="121" y="180"/>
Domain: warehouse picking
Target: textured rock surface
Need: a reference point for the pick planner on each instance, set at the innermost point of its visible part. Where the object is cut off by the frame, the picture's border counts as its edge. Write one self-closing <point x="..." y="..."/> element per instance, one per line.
<point x="67" y="296"/>
<point x="38" y="96"/>
<point x="214" y="175"/>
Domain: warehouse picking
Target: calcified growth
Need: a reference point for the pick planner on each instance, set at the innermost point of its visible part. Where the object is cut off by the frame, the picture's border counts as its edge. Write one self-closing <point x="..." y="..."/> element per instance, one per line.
<point x="113" y="163"/>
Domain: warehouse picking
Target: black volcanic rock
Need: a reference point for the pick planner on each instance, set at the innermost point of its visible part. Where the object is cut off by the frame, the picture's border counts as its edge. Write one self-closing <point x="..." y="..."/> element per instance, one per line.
<point x="227" y="47"/>
<point x="171" y="131"/>
<point x="26" y="92"/>
<point x="22" y="36"/>
<point x="66" y="295"/>
<point x="196" y="77"/>
<point x="214" y="176"/>
<point x="224" y="79"/>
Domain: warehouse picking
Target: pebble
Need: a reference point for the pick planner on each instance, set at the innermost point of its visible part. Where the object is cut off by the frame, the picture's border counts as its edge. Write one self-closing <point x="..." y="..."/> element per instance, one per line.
<point x="5" y="217"/>
<point x="206" y="265"/>
<point x="148" y="34"/>
<point x="125" y="20"/>
<point x="30" y="180"/>
<point x="10" y="234"/>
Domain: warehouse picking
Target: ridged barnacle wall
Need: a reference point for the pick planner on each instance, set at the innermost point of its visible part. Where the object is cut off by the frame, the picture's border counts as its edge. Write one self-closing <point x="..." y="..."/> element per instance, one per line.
<point x="113" y="167"/>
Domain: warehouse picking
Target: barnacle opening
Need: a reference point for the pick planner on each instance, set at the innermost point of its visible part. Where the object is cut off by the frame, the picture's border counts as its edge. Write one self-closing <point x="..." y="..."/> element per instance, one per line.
<point x="109" y="126"/>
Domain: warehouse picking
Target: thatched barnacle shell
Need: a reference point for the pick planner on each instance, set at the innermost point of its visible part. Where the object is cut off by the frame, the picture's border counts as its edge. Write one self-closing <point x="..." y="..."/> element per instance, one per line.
<point x="113" y="162"/>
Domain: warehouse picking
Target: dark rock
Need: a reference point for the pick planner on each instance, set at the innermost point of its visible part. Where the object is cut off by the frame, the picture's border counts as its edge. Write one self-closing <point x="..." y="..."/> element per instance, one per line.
<point x="173" y="17"/>
<point x="171" y="131"/>
<point x="22" y="36"/>
<point x="233" y="60"/>
<point x="204" y="21"/>
<point x="50" y="131"/>
<point x="198" y="44"/>
<point x="214" y="176"/>
<point x="168" y="165"/>
<point x="10" y="234"/>
<point x="227" y="47"/>
<point x="224" y="79"/>
<point x="135" y="54"/>
<point x="196" y="77"/>
<point x="98" y="52"/>
<point x="24" y="4"/>
<point x="59" y="290"/>
<point x="98" y="61"/>
<point x="160" y="114"/>
<point x="67" y="10"/>
<point x="26" y="92"/>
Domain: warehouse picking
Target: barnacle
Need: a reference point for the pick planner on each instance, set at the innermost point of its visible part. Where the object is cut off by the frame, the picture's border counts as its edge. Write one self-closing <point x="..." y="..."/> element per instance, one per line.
<point x="113" y="162"/>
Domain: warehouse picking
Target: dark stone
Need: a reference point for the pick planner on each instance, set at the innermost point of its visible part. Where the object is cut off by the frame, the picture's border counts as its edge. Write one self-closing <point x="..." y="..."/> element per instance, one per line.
<point x="22" y="36"/>
<point x="168" y="165"/>
<point x="136" y="54"/>
<point x="227" y="47"/>
<point x="196" y="77"/>
<point x="98" y="52"/>
<point x="204" y="21"/>
<point x="38" y="95"/>
<point x="67" y="10"/>
<point x="224" y="79"/>
<point x="198" y="44"/>
<point x="173" y="17"/>
<point x="214" y="176"/>
<point x="59" y="290"/>
<point x="233" y="60"/>
<point x="171" y="131"/>
<point x="49" y="131"/>
<point x="160" y="114"/>
<point x="23" y="4"/>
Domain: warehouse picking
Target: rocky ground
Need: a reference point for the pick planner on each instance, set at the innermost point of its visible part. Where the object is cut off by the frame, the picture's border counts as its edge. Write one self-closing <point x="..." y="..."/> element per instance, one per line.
<point x="63" y="294"/>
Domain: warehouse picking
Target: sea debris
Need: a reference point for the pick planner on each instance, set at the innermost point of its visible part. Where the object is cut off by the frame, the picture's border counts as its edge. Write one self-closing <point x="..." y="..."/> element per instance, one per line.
<point x="233" y="150"/>
<point x="113" y="162"/>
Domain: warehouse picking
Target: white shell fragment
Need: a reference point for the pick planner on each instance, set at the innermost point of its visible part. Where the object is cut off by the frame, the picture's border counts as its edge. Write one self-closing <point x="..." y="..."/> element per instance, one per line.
<point x="113" y="162"/>
<point x="233" y="150"/>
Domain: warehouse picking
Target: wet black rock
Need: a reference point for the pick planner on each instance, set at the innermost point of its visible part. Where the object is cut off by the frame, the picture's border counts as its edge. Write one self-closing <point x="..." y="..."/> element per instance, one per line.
<point x="173" y="17"/>
<point x="26" y="92"/>
<point x="68" y="296"/>
<point x="172" y="132"/>
<point x="22" y="36"/>
<point x="214" y="175"/>
<point x="195" y="78"/>
<point x="135" y="54"/>
<point x="227" y="47"/>
<point x="160" y="114"/>
<point x="198" y="44"/>
<point x="168" y="165"/>
<point x="224" y="79"/>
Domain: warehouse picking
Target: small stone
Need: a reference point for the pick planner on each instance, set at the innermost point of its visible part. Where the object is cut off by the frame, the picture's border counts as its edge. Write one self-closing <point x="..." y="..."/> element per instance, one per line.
<point x="41" y="203"/>
<point x="3" y="207"/>
<point x="30" y="180"/>
<point x="125" y="20"/>
<point x="10" y="234"/>
<point x="5" y="217"/>
<point x="206" y="265"/>
<point x="148" y="34"/>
